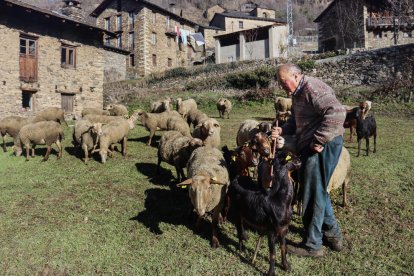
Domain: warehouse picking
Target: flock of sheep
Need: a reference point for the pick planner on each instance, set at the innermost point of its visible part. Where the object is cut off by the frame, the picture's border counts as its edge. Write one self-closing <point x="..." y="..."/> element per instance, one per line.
<point x="191" y="140"/>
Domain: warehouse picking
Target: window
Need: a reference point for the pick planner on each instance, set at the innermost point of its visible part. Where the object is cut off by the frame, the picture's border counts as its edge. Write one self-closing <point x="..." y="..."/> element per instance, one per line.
<point x="107" y="24"/>
<point x="119" y="41"/>
<point x="377" y="34"/>
<point x="169" y="62"/>
<point x="240" y="24"/>
<point x="67" y="102"/>
<point x="407" y="34"/>
<point x="27" y="101"/>
<point x="154" y="38"/>
<point x="154" y="60"/>
<point x="168" y="22"/>
<point x="27" y="46"/>
<point x="119" y="23"/>
<point x="68" y="56"/>
<point x="132" y="60"/>
<point x="265" y="15"/>
<point x="154" y="17"/>
<point x="131" y="19"/>
<point x="108" y="41"/>
<point x="131" y="40"/>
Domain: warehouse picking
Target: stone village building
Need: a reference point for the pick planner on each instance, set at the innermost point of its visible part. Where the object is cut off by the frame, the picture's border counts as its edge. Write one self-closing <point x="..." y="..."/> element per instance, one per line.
<point x="48" y="59"/>
<point x="152" y="35"/>
<point x="364" y="24"/>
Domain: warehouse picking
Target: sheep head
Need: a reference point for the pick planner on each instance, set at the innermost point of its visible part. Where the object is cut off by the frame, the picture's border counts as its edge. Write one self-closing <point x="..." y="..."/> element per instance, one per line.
<point x="210" y="126"/>
<point x="195" y="143"/>
<point x="17" y="150"/>
<point x="96" y="128"/>
<point x="264" y="127"/>
<point x="166" y="104"/>
<point x="200" y="191"/>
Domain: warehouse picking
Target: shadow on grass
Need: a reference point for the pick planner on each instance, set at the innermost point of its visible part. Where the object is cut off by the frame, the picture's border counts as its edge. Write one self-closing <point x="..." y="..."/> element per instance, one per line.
<point x="144" y="140"/>
<point x="78" y="153"/>
<point x="164" y="177"/>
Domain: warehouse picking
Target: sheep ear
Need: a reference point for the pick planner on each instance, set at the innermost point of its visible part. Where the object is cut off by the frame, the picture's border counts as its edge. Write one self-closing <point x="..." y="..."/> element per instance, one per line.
<point x="213" y="180"/>
<point x="185" y="183"/>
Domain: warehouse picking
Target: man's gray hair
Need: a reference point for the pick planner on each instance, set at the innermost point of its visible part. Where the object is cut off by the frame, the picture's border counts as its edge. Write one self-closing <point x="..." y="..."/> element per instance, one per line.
<point x="288" y="68"/>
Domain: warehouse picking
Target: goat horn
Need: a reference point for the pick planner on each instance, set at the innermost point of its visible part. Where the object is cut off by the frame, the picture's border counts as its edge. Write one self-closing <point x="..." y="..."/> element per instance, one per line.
<point x="185" y="183"/>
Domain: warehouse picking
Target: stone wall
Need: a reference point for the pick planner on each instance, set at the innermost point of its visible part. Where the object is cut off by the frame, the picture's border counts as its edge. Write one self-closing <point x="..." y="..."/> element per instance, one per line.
<point x="115" y="66"/>
<point x="84" y="82"/>
<point x="375" y="67"/>
<point x="232" y="24"/>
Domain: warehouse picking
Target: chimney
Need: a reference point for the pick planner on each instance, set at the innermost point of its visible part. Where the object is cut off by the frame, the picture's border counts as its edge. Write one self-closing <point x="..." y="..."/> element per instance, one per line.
<point x="72" y="8"/>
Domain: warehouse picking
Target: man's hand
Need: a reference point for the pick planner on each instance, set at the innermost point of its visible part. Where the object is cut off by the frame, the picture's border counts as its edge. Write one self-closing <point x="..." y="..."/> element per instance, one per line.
<point x="316" y="148"/>
<point x="276" y="132"/>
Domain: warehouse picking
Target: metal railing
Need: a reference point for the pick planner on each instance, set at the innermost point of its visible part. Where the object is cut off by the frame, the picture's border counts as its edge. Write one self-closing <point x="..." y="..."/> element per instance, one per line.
<point x="374" y="22"/>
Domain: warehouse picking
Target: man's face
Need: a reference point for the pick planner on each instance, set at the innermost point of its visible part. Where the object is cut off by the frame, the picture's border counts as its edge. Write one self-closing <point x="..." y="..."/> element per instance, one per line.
<point x="289" y="82"/>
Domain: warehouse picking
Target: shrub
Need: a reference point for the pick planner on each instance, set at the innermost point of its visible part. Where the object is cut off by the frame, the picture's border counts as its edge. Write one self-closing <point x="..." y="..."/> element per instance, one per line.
<point x="260" y="77"/>
<point x="306" y="65"/>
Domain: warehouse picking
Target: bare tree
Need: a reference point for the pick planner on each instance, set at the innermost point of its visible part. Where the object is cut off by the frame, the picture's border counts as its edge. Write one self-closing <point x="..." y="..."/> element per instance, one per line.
<point x="250" y="37"/>
<point x="349" y="21"/>
<point x="402" y="13"/>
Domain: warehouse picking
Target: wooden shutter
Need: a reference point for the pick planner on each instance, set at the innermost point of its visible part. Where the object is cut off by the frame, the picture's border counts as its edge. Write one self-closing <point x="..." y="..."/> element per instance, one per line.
<point x="67" y="103"/>
<point x="28" y="59"/>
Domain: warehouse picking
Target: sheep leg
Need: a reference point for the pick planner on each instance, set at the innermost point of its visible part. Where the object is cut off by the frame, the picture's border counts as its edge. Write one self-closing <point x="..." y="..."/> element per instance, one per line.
<point x="27" y="152"/>
<point x="49" y="149"/>
<point x="111" y="151"/>
<point x="283" y="250"/>
<point x="59" y="146"/>
<point x="259" y="241"/>
<point x="124" y="146"/>
<point x="4" y="142"/>
<point x="214" y="230"/>
<point x="33" y="150"/>
<point x="152" y="132"/>
<point x="271" y="239"/>
<point x="86" y="154"/>
<point x="228" y="115"/>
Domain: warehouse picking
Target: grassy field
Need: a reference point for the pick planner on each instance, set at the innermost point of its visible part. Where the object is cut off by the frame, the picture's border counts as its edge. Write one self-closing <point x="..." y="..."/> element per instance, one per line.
<point x="62" y="217"/>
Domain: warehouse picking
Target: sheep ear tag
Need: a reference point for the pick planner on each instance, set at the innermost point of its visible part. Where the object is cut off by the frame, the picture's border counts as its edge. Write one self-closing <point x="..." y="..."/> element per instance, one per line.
<point x="185" y="183"/>
<point x="233" y="158"/>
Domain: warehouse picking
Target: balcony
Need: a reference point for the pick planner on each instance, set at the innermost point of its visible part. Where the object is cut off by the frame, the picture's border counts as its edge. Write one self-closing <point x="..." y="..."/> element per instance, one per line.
<point x="388" y="22"/>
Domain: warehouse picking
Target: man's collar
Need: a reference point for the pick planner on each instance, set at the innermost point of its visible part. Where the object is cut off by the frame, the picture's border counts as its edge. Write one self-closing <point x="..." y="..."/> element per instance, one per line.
<point x="299" y="87"/>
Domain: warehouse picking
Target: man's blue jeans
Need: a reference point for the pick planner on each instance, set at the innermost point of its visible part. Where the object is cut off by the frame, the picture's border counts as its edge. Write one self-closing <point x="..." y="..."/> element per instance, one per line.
<point x="318" y="216"/>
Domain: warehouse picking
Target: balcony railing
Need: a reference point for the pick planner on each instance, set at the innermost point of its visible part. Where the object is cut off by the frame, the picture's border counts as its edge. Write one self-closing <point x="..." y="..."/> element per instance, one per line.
<point x="388" y="22"/>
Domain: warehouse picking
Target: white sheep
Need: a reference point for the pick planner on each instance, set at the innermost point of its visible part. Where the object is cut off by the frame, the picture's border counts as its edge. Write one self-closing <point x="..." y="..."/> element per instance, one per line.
<point x="247" y="131"/>
<point x="40" y="133"/>
<point x="161" y="106"/>
<point x="178" y="124"/>
<point x="94" y="111"/>
<point x="208" y="179"/>
<point x="50" y="114"/>
<point x="175" y="149"/>
<point x="224" y="106"/>
<point x="184" y="107"/>
<point x="208" y="132"/>
<point x="11" y="125"/>
<point x="196" y="117"/>
<point x="112" y="133"/>
<point x="152" y="121"/>
<point x="117" y="110"/>
<point x="86" y="134"/>
<point x="283" y="104"/>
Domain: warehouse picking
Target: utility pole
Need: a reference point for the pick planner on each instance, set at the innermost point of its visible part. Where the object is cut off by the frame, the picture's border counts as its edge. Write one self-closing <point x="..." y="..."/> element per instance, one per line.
<point x="289" y="15"/>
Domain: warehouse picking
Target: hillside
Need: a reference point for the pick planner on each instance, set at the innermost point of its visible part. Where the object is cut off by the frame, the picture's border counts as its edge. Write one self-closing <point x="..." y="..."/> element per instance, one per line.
<point x="304" y="11"/>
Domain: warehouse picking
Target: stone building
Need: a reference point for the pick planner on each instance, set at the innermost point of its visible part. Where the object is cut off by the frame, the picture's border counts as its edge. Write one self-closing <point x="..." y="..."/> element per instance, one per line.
<point x="158" y="39"/>
<point x="48" y="59"/>
<point x="209" y="13"/>
<point x="365" y="24"/>
<point x="257" y="43"/>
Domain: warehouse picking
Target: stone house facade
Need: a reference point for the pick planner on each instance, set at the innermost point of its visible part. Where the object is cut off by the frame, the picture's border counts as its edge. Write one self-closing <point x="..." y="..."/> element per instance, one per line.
<point x="48" y="60"/>
<point x="267" y="42"/>
<point x="364" y="24"/>
<point x="149" y="32"/>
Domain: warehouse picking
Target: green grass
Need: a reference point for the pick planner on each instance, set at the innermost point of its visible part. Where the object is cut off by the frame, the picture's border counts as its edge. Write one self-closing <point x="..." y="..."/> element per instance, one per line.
<point x="62" y="217"/>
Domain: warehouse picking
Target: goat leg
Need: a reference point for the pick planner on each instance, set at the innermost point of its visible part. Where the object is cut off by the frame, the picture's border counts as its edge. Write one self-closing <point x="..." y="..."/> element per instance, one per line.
<point x="240" y="233"/>
<point x="367" y="144"/>
<point x="214" y="228"/>
<point x="359" y="146"/>
<point x="375" y="142"/>
<point x="271" y="239"/>
<point x="283" y="250"/>
<point x="259" y="240"/>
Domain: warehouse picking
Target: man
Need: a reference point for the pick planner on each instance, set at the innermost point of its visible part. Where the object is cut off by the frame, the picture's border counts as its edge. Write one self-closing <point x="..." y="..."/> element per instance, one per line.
<point x="317" y="120"/>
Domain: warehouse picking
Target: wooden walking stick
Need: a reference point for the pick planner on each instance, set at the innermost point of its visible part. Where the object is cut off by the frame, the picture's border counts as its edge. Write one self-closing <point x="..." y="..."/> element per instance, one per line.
<point x="256" y="250"/>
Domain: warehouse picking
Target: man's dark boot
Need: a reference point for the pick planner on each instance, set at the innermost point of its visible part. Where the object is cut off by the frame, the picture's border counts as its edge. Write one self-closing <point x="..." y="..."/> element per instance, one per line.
<point x="304" y="251"/>
<point x="334" y="244"/>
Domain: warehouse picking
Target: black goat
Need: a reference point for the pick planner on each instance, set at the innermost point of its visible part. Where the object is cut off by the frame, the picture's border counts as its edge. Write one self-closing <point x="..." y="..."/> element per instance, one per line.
<point x="267" y="210"/>
<point x="366" y="128"/>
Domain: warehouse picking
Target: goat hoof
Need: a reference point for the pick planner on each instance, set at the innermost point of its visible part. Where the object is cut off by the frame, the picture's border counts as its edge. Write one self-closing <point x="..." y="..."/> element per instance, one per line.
<point x="286" y="266"/>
